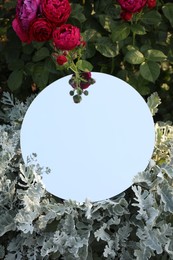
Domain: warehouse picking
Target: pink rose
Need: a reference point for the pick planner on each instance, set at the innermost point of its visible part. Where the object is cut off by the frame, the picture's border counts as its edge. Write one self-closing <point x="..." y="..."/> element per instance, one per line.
<point x="26" y="12"/>
<point x="132" y="6"/>
<point x="66" y="37"/>
<point x="61" y="59"/>
<point x="21" y="33"/>
<point x="41" y="30"/>
<point x="56" y="11"/>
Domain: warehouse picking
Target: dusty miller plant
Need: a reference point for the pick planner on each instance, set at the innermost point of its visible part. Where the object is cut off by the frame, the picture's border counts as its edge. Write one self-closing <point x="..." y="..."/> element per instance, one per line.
<point x="136" y="224"/>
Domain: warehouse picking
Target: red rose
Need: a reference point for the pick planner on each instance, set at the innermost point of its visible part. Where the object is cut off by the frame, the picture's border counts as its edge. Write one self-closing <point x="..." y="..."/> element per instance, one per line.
<point x="86" y="83"/>
<point x="126" y="16"/>
<point x="56" y="11"/>
<point x="61" y="59"/>
<point x="66" y="37"/>
<point x="132" y="6"/>
<point x="151" y="3"/>
<point x="41" y="30"/>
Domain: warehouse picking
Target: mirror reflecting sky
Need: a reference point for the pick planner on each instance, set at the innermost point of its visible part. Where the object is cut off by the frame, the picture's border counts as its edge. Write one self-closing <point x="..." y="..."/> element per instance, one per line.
<point x="94" y="148"/>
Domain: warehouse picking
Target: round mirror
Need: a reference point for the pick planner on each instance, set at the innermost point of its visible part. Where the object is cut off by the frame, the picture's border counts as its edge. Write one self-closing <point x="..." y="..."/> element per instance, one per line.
<point x="94" y="148"/>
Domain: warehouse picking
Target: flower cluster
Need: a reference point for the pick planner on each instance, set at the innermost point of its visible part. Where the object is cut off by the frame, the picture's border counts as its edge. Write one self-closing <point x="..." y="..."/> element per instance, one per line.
<point x="45" y="20"/>
<point x="85" y="80"/>
<point x="129" y="7"/>
<point x="36" y="20"/>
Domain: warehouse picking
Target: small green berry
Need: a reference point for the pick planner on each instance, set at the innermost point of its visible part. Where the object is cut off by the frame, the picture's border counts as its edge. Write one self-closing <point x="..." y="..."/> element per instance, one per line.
<point x="86" y="93"/>
<point x="71" y="93"/>
<point x="92" y="81"/>
<point x="77" y="99"/>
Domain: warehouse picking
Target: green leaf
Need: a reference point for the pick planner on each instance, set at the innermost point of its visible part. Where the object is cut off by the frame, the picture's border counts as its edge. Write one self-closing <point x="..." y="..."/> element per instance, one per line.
<point x="130" y="48"/>
<point x="40" y="75"/>
<point x="15" y="80"/>
<point x="134" y="57"/>
<point x="16" y="64"/>
<point x="84" y="65"/>
<point x="138" y="82"/>
<point x="101" y="234"/>
<point x="152" y="17"/>
<point x="138" y="29"/>
<point x="90" y="51"/>
<point x="120" y="32"/>
<point x="7" y="222"/>
<point x="153" y="102"/>
<point x="150" y="239"/>
<point x="77" y="13"/>
<point x="150" y="70"/>
<point x="91" y="35"/>
<point x="106" y="47"/>
<point x="37" y="45"/>
<point x="28" y="49"/>
<point x="105" y="21"/>
<point x="50" y="65"/>
<point x="101" y="6"/>
<point x="168" y="12"/>
<point x="41" y="54"/>
<point x="155" y="55"/>
<point x="166" y="194"/>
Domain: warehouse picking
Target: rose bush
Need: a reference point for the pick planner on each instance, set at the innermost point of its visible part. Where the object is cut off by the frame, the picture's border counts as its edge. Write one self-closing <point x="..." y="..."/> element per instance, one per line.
<point x="66" y="37"/>
<point x="136" y="47"/>
<point x="56" y="11"/>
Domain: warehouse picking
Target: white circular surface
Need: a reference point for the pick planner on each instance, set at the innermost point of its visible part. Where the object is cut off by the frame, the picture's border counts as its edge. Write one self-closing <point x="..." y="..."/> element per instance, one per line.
<point x="94" y="148"/>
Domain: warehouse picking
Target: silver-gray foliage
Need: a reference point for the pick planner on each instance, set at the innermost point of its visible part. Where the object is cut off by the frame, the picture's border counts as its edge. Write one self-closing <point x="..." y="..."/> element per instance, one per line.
<point x="137" y="224"/>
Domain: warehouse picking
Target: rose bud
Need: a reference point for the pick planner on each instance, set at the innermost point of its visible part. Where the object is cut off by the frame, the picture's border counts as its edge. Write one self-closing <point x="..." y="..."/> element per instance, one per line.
<point x="61" y="59"/>
<point x="126" y="16"/>
<point x="151" y="3"/>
